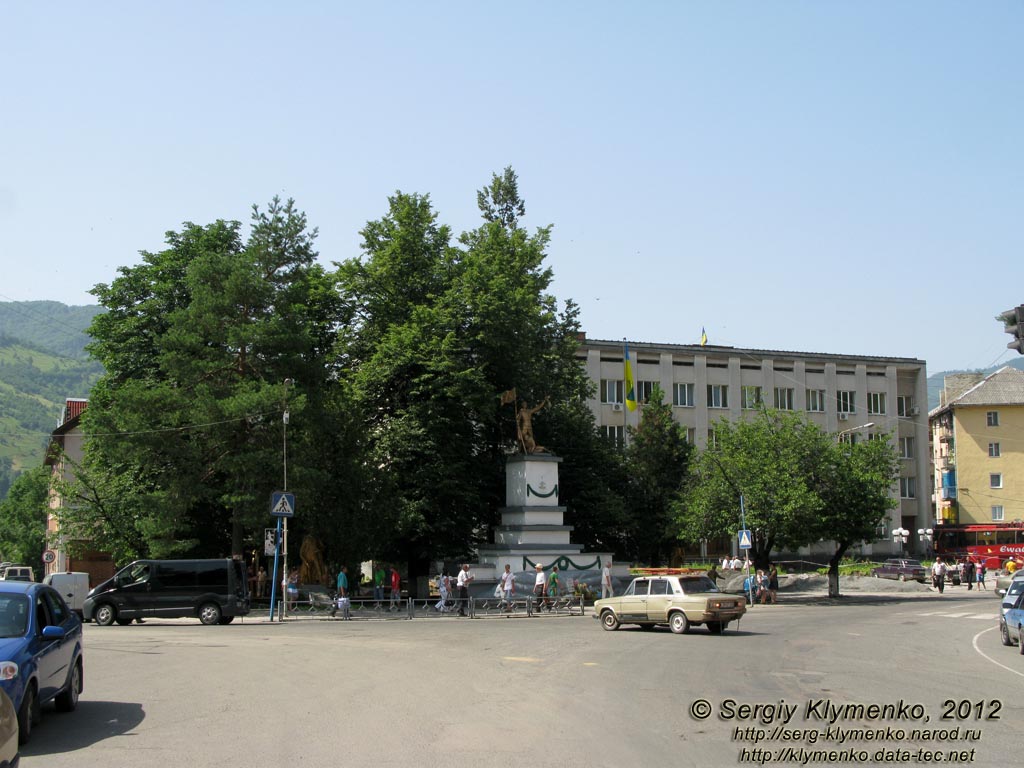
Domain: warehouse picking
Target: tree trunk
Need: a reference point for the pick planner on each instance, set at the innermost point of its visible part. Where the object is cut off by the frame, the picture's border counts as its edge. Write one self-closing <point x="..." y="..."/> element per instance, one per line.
<point x="833" y="570"/>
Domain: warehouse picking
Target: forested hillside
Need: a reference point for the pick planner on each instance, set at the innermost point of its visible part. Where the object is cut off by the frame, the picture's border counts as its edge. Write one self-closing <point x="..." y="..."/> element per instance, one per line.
<point x="42" y="362"/>
<point x="48" y="325"/>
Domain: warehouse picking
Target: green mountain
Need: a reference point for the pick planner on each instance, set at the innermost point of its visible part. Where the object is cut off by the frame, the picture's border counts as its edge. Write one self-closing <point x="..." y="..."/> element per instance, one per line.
<point x="42" y="362"/>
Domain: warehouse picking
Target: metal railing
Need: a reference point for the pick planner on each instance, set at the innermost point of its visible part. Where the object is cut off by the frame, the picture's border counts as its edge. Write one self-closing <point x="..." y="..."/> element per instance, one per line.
<point x="362" y="608"/>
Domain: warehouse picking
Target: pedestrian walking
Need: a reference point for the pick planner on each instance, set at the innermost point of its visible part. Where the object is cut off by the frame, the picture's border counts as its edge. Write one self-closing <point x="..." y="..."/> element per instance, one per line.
<point x="396" y="589"/>
<point x="554" y="587"/>
<point x="606" y="580"/>
<point x="342" y="599"/>
<point x="378" y="584"/>
<point x="292" y="588"/>
<point x="969" y="571"/>
<point x="261" y="582"/>
<point x="981" y="574"/>
<point x="773" y="584"/>
<point x="443" y="589"/>
<point x="713" y="573"/>
<point x="508" y="588"/>
<point x="939" y="575"/>
<point x="540" y="587"/>
<point x="464" y="580"/>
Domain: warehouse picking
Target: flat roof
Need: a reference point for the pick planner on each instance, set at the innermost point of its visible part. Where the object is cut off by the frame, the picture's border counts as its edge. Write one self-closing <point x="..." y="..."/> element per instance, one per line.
<point x="697" y="349"/>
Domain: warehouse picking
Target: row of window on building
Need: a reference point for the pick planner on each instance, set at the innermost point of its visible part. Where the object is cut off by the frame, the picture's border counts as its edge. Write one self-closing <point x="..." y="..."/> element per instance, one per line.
<point x="613" y="392"/>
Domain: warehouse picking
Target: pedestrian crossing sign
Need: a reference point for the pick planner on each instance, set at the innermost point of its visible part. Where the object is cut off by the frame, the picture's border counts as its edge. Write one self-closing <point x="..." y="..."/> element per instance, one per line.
<point x="282" y="504"/>
<point x="745" y="539"/>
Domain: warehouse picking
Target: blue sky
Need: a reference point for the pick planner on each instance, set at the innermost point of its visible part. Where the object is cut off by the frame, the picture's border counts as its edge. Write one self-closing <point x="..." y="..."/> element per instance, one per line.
<point x="827" y="177"/>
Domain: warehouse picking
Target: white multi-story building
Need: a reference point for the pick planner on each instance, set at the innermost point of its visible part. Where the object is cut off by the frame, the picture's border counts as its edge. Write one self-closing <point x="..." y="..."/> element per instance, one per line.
<point x="854" y="396"/>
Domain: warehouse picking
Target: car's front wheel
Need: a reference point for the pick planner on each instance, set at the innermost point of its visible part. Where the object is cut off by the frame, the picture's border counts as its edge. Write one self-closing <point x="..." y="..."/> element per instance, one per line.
<point x="67" y="700"/>
<point x="104" y="614"/>
<point x="903" y="577"/>
<point x="1020" y="638"/>
<point x="28" y="715"/>
<point x="209" y="613"/>
<point x="678" y="623"/>
<point x="875" y="575"/>
<point x="609" y="621"/>
<point x="1004" y="634"/>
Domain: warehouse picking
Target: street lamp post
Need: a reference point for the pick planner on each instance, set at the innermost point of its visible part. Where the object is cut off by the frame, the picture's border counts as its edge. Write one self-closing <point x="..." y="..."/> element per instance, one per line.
<point x="900" y="536"/>
<point x="924" y="535"/>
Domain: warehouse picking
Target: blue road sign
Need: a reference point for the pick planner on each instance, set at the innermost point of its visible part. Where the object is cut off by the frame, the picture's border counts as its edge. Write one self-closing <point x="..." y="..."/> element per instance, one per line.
<point x="282" y="504"/>
<point x="745" y="539"/>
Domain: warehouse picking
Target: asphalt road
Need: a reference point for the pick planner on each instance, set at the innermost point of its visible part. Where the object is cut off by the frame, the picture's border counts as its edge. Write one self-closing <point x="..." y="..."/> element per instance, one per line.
<point x="545" y="691"/>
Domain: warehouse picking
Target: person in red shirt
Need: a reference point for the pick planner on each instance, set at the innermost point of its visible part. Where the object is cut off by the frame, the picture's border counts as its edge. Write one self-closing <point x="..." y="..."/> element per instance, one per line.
<point x="396" y="589"/>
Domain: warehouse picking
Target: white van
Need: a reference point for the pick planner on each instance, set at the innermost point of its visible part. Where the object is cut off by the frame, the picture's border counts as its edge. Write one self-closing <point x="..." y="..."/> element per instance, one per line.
<point x="73" y="587"/>
<point x="18" y="573"/>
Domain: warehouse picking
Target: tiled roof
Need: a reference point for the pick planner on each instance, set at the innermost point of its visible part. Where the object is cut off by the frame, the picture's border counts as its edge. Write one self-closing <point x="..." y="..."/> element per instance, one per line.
<point x="1004" y="387"/>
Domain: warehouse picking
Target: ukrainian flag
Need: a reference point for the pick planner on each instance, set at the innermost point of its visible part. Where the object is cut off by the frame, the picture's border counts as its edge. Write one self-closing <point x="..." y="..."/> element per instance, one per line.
<point x="630" y="387"/>
<point x="703" y="337"/>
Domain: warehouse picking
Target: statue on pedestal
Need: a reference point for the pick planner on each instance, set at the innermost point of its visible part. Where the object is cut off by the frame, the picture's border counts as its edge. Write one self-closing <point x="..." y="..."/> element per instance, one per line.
<point x="524" y="426"/>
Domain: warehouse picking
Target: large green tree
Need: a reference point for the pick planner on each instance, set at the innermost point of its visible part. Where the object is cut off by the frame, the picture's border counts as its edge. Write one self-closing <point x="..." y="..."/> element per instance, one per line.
<point x="23" y="518"/>
<point x="185" y="428"/>
<point x="769" y="460"/>
<point x="437" y="331"/>
<point x="854" y="482"/>
<point x="657" y="459"/>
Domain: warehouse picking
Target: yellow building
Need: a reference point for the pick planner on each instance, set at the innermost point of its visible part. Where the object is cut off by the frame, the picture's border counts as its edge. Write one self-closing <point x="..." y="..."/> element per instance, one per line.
<point x="977" y="438"/>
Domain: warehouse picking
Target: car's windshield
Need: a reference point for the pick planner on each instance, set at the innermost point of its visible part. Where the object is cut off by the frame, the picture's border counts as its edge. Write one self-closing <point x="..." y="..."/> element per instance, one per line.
<point x="13" y="615"/>
<point x="691" y="584"/>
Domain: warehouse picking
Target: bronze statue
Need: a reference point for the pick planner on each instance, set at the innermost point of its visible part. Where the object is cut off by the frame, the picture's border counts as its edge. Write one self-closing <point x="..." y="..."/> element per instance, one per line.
<point x="313" y="569"/>
<point x="524" y="426"/>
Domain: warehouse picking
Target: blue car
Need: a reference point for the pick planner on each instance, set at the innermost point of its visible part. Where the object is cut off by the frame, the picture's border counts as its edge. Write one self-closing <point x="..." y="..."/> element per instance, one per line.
<point x="40" y="651"/>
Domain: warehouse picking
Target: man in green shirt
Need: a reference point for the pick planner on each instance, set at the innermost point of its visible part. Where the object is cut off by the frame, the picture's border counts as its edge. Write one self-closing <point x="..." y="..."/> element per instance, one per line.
<point x="378" y="584"/>
<point x="553" y="586"/>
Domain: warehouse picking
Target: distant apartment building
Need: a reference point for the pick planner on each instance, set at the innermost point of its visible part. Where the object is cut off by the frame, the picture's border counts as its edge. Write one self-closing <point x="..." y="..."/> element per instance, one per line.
<point x="63" y="453"/>
<point x="854" y="397"/>
<point x="977" y="447"/>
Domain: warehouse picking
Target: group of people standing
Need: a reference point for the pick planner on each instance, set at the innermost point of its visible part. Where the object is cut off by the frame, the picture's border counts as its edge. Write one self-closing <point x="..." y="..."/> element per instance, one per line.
<point x="444" y="588"/>
<point x="969" y="573"/>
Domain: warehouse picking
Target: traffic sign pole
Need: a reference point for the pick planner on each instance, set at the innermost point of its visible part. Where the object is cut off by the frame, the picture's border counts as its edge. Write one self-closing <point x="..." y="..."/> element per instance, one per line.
<point x="277" y="554"/>
<point x="746" y="558"/>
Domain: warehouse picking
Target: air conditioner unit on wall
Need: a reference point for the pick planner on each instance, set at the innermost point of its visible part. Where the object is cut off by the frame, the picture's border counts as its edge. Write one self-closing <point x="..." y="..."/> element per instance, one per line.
<point x="843" y="416"/>
<point x="914" y="411"/>
<point x="616" y="406"/>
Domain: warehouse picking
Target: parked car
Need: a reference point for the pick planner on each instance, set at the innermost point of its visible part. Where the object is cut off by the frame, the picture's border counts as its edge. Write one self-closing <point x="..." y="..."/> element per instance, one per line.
<point x="73" y="587"/>
<point x="40" y="651"/>
<point x="214" y="591"/>
<point x="8" y="732"/>
<point x="680" y="601"/>
<point x="1016" y="586"/>
<point x="902" y="569"/>
<point x="1011" y="624"/>
<point x="1003" y="580"/>
<point x="17" y="573"/>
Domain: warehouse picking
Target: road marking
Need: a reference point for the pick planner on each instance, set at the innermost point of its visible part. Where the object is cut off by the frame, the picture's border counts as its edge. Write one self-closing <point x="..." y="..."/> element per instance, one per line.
<point x="524" y="659"/>
<point x="590" y="664"/>
<point x="982" y="653"/>
<point x="982" y="616"/>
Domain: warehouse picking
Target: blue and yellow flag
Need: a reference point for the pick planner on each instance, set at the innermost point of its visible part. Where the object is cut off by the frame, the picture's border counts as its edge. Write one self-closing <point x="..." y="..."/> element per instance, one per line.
<point x="703" y="337"/>
<point x="630" y="388"/>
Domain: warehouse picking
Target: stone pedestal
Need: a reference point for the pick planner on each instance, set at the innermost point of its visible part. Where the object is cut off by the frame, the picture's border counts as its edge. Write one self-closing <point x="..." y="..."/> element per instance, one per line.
<point x="532" y="529"/>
